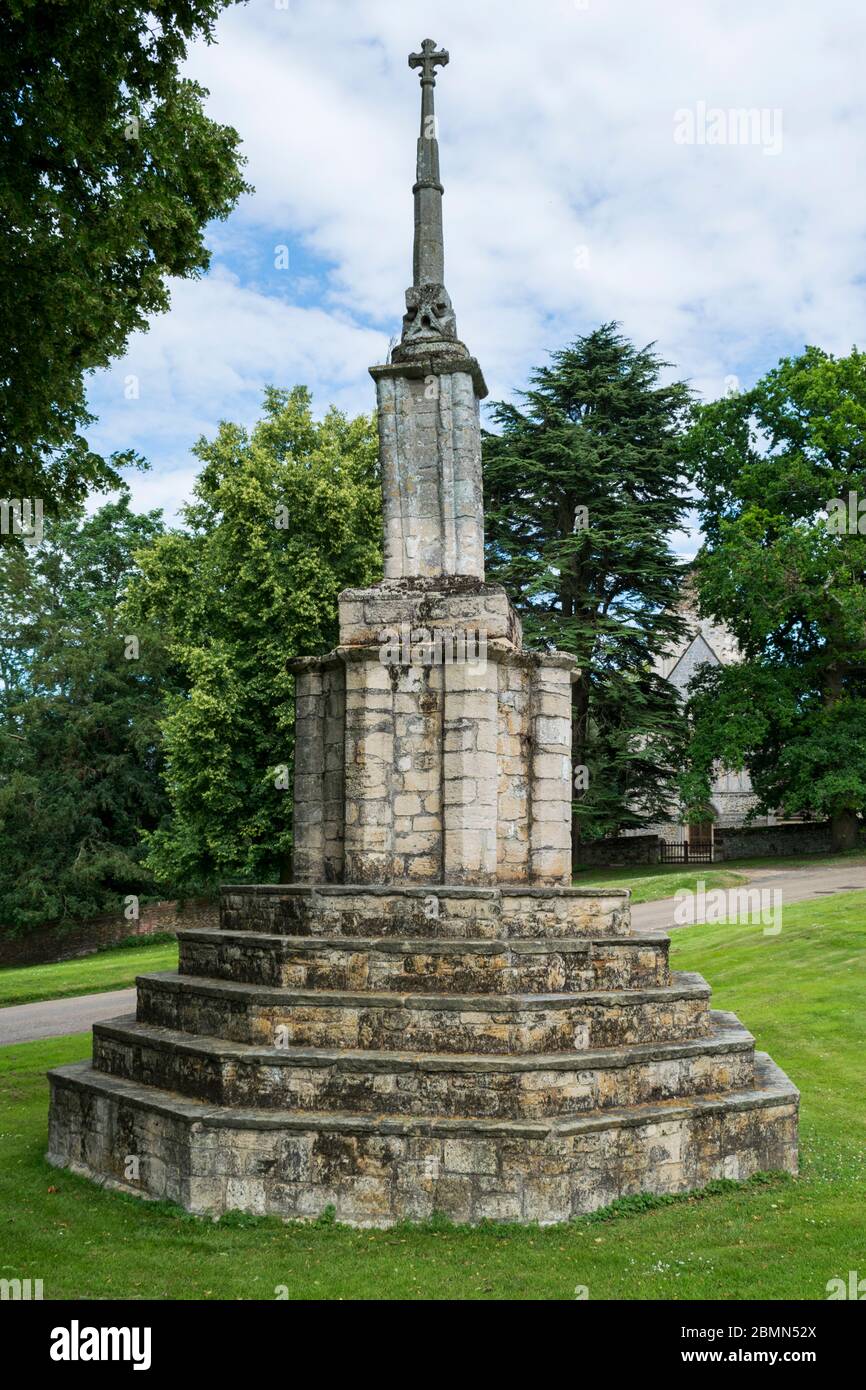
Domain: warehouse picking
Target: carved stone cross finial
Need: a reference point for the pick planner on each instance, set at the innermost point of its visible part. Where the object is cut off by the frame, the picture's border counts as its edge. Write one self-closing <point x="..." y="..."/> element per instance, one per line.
<point x="429" y="316"/>
<point x="428" y="60"/>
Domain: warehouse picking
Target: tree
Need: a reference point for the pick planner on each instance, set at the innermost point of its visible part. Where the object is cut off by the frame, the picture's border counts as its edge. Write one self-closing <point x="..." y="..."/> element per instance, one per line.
<point x="79" y="701"/>
<point x="583" y="489"/>
<point x="788" y="579"/>
<point x="283" y="519"/>
<point x="109" y="171"/>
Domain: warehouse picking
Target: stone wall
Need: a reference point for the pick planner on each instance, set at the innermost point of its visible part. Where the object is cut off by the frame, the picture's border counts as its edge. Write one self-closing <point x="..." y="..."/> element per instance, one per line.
<point x="320" y="712"/>
<point x="456" y="773"/>
<point x="430" y="456"/>
<point x="457" y="763"/>
<point x="623" y="849"/>
<point x="746" y="842"/>
<point x="448" y="603"/>
<point x="51" y="942"/>
<point x="406" y="1167"/>
<point x="730" y="842"/>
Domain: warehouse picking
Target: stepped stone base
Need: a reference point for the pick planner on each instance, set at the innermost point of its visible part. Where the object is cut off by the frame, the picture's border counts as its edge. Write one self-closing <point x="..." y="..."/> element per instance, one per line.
<point x="375" y="1170"/>
<point x="503" y="1053"/>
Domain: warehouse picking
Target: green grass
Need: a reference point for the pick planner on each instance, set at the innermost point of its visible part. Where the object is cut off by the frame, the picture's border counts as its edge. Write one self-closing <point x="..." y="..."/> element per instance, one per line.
<point x="803" y="993"/>
<point x="802" y="861"/>
<point x="650" y="882"/>
<point x="114" y="969"/>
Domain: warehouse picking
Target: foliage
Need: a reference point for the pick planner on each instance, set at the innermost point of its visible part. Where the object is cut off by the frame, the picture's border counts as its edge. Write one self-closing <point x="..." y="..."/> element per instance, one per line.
<point x="284" y="517"/>
<point x="79" y="748"/>
<point x="599" y="431"/>
<point x="790" y="585"/>
<point x="109" y="172"/>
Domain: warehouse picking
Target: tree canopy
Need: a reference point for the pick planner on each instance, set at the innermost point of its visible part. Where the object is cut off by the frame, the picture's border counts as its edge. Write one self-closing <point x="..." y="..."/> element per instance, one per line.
<point x="109" y="172"/>
<point x="791" y="585"/>
<point x="80" y="762"/>
<point x="283" y="518"/>
<point x="583" y="489"/>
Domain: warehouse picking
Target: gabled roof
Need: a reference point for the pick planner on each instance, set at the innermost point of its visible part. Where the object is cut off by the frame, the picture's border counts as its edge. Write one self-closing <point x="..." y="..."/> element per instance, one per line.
<point x="696" y="654"/>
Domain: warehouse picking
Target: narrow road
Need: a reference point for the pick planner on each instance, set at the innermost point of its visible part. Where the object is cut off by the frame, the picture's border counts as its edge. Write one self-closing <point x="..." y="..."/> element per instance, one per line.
<point x="796" y="885"/>
<point x="54" y="1017"/>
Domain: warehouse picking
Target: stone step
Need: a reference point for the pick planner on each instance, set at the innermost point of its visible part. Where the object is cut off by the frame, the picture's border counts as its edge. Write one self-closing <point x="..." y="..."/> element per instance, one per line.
<point x="425" y="1022"/>
<point x="544" y="965"/>
<point x="438" y="910"/>
<point x="374" y="1170"/>
<point x="406" y="1083"/>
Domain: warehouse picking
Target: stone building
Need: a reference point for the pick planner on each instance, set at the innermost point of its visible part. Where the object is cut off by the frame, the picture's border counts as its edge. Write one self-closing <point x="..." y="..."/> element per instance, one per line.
<point x="706" y="643"/>
<point x="430" y="1018"/>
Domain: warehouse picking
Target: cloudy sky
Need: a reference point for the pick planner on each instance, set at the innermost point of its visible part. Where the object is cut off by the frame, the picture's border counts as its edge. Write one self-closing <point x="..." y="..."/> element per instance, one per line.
<point x="594" y="167"/>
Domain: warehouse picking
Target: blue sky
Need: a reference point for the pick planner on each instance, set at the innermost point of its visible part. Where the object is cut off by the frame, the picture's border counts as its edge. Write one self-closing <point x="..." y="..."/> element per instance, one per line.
<point x="575" y="193"/>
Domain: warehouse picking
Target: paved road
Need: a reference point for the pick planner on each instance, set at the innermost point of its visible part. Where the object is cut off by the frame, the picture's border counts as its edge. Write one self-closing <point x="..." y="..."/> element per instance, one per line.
<point x="795" y="884"/>
<point x="54" y="1017"/>
<point x="27" y="1022"/>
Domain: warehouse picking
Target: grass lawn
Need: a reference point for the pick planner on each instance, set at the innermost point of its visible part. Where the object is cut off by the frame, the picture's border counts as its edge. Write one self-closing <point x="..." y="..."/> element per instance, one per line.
<point x="650" y="882"/>
<point x="803" y="993"/>
<point x="114" y="969"/>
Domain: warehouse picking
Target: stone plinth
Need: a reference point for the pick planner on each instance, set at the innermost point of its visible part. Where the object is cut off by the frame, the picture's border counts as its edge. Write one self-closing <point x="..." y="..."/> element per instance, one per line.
<point x="430" y="456"/>
<point x="490" y="1053"/>
<point x="419" y="763"/>
<point x="376" y="1170"/>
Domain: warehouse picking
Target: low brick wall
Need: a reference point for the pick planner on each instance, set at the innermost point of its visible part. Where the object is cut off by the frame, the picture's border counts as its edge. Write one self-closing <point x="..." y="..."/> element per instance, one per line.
<point x="622" y="850"/>
<point x="754" y="841"/>
<point x="51" y="943"/>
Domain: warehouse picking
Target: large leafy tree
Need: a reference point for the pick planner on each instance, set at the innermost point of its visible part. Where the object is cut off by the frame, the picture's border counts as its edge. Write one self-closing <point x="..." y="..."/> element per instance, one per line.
<point x="583" y="489"/>
<point x="109" y="171"/>
<point x="283" y="518"/>
<point x="790" y="582"/>
<point x="79" y="706"/>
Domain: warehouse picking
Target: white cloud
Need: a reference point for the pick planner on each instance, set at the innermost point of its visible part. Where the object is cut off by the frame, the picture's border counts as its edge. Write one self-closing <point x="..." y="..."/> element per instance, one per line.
<point x="557" y="129"/>
<point x="209" y="360"/>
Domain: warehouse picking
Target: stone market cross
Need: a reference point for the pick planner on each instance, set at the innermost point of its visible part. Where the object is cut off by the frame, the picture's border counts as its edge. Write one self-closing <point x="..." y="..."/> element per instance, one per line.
<point x="430" y="1018"/>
